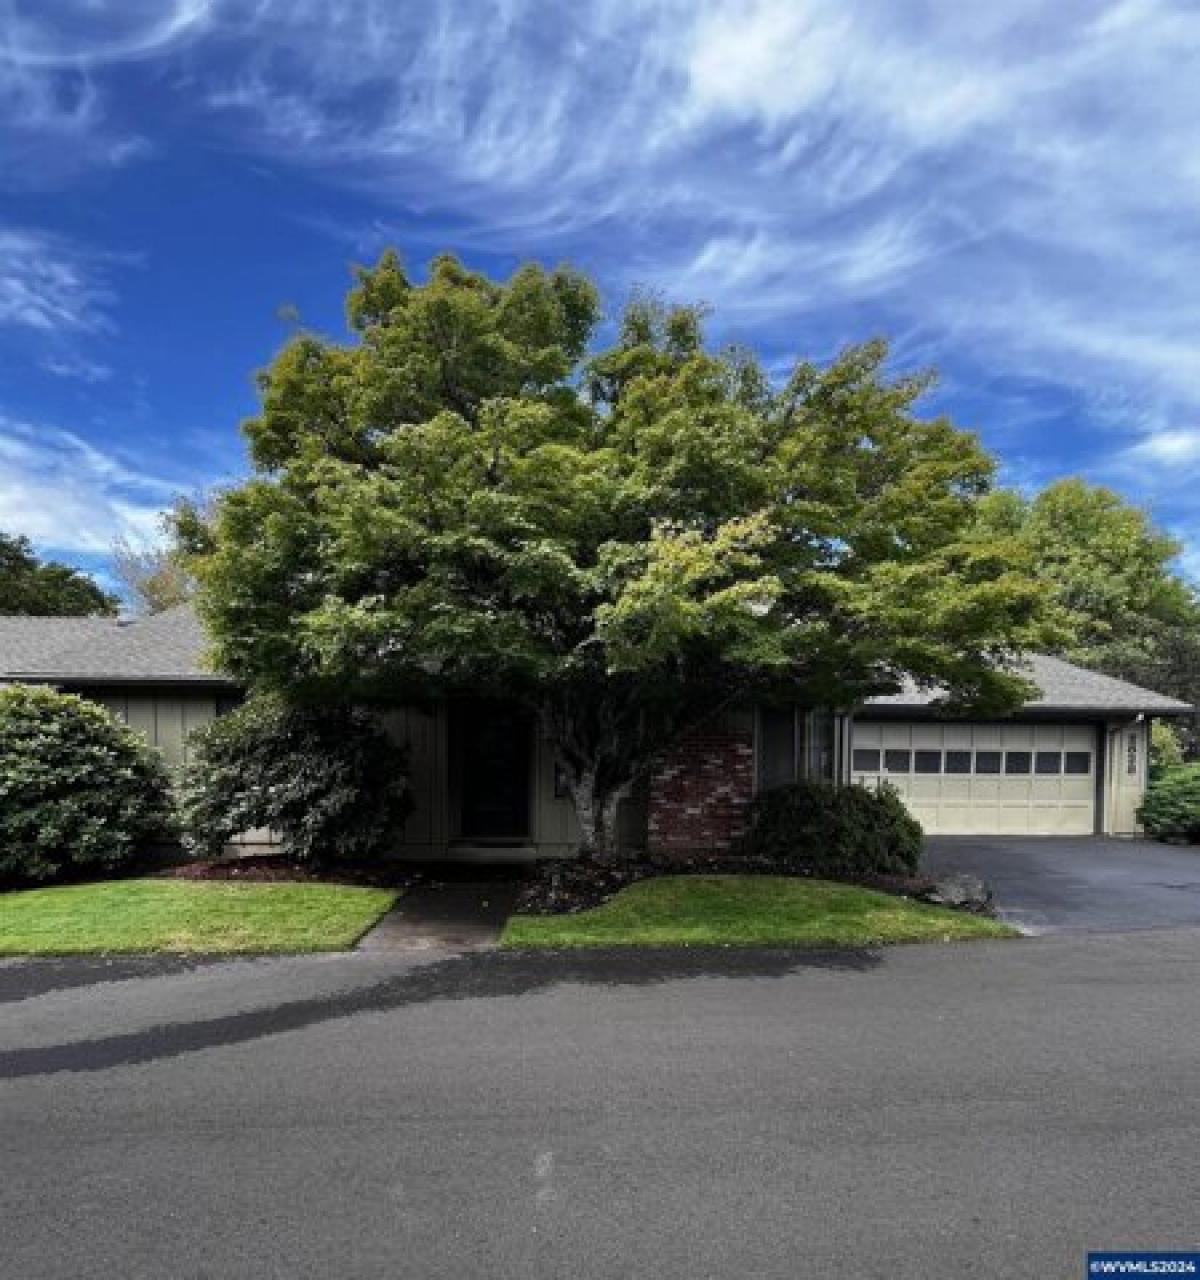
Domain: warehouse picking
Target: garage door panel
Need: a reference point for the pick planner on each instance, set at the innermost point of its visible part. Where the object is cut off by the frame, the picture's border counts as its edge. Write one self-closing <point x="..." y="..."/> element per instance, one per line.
<point x="1052" y="799"/>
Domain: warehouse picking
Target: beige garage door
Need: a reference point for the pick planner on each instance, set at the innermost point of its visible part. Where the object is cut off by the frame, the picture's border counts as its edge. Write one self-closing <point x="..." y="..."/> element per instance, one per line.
<point x="984" y="779"/>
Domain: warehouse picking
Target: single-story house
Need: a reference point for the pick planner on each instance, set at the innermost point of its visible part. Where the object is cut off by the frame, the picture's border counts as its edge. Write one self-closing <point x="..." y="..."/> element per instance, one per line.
<point x="1071" y="762"/>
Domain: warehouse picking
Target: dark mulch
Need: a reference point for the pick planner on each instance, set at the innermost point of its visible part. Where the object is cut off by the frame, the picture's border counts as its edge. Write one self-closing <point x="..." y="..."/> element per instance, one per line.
<point x="272" y="868"/>
<point x="567" y="885"/>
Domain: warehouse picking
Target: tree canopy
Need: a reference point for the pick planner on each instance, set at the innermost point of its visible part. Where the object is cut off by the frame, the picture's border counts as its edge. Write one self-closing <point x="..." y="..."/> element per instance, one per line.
<point x="31" y="586"/>
<point x="467" y="497"/>
<point x="1112" y="574"/>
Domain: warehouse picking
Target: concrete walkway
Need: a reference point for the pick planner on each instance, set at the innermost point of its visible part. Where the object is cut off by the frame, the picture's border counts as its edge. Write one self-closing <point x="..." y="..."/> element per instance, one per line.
<point x="464" y="916"/>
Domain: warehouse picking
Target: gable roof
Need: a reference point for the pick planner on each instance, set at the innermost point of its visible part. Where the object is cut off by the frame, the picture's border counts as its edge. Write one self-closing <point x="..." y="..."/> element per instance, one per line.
<point x="1064" y="687"/>
<point x="169" y="647"/>
<point x="162" y="648"/>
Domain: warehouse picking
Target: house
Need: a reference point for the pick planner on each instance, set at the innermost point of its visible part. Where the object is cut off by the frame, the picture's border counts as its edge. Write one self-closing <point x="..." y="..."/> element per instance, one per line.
<point x="1071" y="762"/>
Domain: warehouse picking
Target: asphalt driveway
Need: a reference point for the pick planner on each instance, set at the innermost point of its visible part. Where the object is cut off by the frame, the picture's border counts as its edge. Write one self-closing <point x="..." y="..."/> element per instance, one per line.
<point x="1048" y="884"/>
<point x="983" y="1109"/>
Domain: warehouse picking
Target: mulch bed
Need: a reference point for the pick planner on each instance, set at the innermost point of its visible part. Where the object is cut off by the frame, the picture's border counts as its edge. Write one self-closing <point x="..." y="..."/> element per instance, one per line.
<point x="568" y="885"/>
<point x="272" y="868"/>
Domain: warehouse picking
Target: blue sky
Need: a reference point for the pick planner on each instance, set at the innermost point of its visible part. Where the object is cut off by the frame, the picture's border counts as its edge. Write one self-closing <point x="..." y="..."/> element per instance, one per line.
<point x="1010" y="192"/>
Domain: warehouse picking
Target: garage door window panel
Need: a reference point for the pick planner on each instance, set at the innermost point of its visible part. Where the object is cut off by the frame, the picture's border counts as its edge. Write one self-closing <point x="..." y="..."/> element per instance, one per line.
<point x="988" y="761"/>
<point x="1078" y="763"/>
<point x="1048" y="763"/>
<point x="927" y="762"/>
<point x="958" y="762"/>
<point x="896" y="761"/>
<point x="1018" y="762"/>
<point x="866" y="760"/>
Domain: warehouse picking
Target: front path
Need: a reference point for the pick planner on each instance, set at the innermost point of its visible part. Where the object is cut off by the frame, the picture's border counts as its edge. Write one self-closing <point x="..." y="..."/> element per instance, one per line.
<point x="982" y="1109"/>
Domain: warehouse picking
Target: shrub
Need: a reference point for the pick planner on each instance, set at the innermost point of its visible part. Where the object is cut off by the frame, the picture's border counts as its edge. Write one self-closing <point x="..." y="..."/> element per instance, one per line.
<point x="1171" y="808"/>
<point x="327" y="781"/>
<point x="80" y="792"/>
<point x="1166" y="748"/>
<point x="837" y="831"/>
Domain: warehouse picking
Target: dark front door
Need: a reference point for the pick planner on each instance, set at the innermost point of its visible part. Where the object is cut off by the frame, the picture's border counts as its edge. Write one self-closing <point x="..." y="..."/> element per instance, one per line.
<point x="492" y="747"/>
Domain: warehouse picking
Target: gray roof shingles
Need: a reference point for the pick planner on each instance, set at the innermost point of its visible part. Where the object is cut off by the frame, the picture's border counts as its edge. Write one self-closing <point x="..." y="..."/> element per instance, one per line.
<point x="165" y="647"/>
<point x="1064" y="687"/>
<point x="169" y="648"/>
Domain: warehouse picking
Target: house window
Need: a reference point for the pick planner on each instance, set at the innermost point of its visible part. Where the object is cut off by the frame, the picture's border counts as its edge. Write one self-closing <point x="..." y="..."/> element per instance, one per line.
<point x="927" y="761"/>
<point x="1047" y="762"/>
<point x="897" y="761"/>
<point x="866" y="761"/>
<point x="958" y="762"/>
<point x="1018" y="761"/>
<point x="987" y="761"/>
<point x="1131" y="755"/>
<point x="823" y="749"/>
<point x="1078" y="763"/>
<point x="776" y="747"/>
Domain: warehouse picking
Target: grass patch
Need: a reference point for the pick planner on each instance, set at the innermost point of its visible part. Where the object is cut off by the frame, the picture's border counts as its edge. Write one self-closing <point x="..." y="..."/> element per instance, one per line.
<point x="750" y="910"/>
<point x="183" y="915"/>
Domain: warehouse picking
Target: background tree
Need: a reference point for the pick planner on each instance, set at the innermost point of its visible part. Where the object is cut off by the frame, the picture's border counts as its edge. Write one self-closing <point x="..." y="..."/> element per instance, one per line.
<point x="1125" y="608"/>
<point x="31" y="586"/>
<point x="157" y="576"/>
<point x="459" y="501"/>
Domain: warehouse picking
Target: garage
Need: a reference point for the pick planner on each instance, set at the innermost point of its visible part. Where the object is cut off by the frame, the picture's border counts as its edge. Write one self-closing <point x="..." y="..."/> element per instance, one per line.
<point x="1072" y="762"/>
<point x="971" y="779"/>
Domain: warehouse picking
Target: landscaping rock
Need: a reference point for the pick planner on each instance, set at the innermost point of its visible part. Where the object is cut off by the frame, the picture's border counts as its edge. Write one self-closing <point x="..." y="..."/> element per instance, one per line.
<point x="964" y="892"/>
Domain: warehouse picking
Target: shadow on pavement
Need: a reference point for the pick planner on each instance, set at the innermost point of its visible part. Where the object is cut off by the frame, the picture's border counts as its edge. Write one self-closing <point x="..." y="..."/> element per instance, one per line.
<point x="481" y="976"/>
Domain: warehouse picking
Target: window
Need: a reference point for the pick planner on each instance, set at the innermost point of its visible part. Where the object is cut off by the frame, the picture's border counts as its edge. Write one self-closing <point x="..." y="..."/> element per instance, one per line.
<point x="987" y="761"/>
<point x="1018" y="761"/>
<point x="958" y="762"/>
<point x="1131" y="755"/>
<point x="897" y="761"/>
<point x="1047" y="762"/>
<point x="776" y="747"/>
<point x="866" y="761"/>
<point x="927" y="762"/>
<point x="1078" y="762"/>
<point x="823" y="748"/>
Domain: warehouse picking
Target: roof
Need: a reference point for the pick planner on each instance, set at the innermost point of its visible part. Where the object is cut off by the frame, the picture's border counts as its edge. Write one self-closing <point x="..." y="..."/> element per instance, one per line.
<point x="162" y="648"/>
<point x="169" y="647"/>
<point x="1064" y="687"/>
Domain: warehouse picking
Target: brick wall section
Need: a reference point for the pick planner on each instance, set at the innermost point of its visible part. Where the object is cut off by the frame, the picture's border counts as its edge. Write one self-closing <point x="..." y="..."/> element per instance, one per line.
<point x="699" y="793"/>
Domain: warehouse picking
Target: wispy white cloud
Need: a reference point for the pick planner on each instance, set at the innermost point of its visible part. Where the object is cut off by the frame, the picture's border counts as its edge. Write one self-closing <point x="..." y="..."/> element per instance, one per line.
<point x="1012" y="188"/>
<point x="69" y="496"/>
<point x="76" y="367"/>
<point x="52" y="286"/>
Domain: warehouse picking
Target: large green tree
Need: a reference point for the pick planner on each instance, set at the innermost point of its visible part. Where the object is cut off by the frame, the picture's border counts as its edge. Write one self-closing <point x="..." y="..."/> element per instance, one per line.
<point x="1113" y="575"/>
<point x="462" y="499"/>
<point x="31" y="586"/>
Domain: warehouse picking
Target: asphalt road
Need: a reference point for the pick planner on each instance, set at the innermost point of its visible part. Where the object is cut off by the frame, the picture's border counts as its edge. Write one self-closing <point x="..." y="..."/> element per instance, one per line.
<point x="983" y="1110"/>
<point x="1047" y="884"/>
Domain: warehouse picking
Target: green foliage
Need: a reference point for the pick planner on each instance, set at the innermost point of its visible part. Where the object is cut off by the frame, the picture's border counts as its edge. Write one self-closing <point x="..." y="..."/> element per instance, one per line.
<point x="835" y="831"/>
<point x="458" y="501"/>
<point x="80" y="792"/>
<point x="1122" y="606"/>
<point x="1166" y="747"/>
<point x="328" y="781"/>
<point x="1171" y="808"/>
<point x="29" y="587"/>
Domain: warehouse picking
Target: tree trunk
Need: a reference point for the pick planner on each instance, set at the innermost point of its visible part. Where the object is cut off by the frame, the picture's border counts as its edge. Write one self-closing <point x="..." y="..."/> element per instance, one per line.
<point x="596" y="808"/>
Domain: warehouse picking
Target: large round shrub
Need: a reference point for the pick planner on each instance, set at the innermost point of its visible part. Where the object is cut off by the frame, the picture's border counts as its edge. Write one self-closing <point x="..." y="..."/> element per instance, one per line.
<point x="327" y="781"/>
<point x="1171" y="808"/>
<point x="834" y="831"/>
<point x="80" y="792"/>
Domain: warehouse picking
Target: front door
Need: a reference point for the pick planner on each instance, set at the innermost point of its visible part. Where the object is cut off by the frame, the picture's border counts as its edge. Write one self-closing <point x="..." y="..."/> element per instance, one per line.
<point x="492" y="747"/>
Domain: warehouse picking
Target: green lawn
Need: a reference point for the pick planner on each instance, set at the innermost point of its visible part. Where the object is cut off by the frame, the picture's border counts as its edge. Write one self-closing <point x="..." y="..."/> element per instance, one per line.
<point x="761" y="910"/>
<point x="186" y="915"/>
